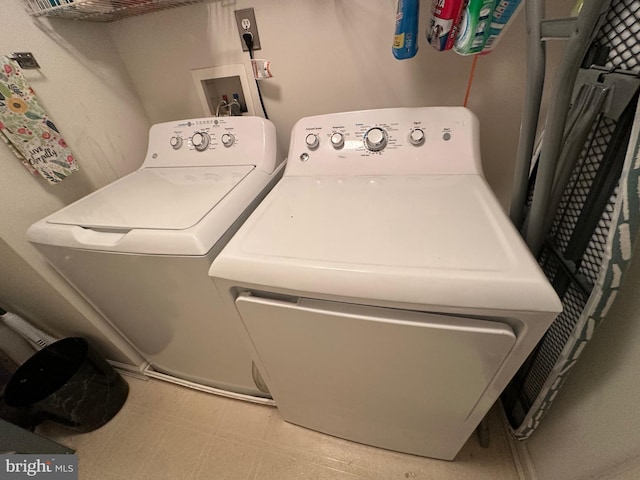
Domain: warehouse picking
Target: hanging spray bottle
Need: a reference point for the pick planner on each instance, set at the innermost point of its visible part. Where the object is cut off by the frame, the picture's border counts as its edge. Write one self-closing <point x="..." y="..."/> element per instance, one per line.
<point x="405" y="40"/>
<point x="505" y="10"/>
<point x="444" y="23"/>
<point x="474" y="27"/>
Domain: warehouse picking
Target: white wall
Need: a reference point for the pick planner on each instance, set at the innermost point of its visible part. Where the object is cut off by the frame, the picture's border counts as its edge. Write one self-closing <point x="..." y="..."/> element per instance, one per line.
<point x="593" y="429"/>
<point x="86" y="90"/>
<point x="328" y="56"/>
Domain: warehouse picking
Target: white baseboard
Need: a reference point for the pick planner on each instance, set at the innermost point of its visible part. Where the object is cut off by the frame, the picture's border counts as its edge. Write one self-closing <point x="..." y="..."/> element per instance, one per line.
<point x="519" y="452"/>
<point x="131" y="370"/>
<point x="207" y="389"/>
<point x="522" y="459"/>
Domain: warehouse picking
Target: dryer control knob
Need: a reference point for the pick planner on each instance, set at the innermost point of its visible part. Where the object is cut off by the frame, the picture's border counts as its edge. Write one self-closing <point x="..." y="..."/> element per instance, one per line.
<point x="312" y="141"/>
<point x="375" y="139"/>
<point x="200" y="140"/>
<point x="176" y="142"/>
<point x="337" y="140"/>
<point x="416" y="137"/>
<point x="228" y="139"/>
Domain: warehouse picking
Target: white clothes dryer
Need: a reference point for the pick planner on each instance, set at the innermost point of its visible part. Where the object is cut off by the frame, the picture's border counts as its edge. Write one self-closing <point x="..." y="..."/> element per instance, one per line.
<point x="140" y="248"/>
<point x="382" y="291"/>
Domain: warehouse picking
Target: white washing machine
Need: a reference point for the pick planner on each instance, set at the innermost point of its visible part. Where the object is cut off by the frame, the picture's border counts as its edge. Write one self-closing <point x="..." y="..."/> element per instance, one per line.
<point x="140" y="248"/>
<point x="383" y="293"/>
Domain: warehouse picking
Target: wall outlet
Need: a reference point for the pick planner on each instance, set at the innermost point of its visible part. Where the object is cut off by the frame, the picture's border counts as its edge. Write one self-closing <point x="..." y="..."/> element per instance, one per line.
<point x="246" y="20"/>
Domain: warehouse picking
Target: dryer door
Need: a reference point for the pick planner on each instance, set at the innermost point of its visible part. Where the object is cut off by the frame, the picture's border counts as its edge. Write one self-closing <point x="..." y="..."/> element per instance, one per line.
<point x="396" y="379"/>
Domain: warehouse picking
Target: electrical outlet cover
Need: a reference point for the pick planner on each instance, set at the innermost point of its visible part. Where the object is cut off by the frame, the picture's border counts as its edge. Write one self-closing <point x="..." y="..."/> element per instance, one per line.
<point x="242" y="16"/>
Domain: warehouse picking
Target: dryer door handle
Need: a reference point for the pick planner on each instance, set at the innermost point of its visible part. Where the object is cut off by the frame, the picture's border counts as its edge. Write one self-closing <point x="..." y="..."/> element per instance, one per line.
<point x="90" y="237"/>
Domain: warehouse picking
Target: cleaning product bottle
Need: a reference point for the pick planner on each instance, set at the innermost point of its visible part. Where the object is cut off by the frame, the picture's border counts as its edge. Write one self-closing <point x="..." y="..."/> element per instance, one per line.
<point x="474" y="27"/>
<point x="405" y="40"/>
<point x="444" y="23"/>
<point x="505" y="10"/>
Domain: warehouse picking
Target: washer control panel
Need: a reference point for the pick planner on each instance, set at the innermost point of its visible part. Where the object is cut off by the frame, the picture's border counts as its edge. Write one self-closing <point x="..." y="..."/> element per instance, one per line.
<point x="212" y="141"/>
<point x="423" y="140"/>
<point x="203" y="134"/>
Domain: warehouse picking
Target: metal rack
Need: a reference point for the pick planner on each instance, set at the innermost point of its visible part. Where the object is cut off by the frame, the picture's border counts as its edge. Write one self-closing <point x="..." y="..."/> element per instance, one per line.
<point x="100" y="10"/>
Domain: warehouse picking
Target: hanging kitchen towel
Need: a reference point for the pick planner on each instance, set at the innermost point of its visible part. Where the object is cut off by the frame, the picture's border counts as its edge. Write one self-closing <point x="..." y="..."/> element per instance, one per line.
<point x="19" y="156"/>
<point x="26" y="126"/>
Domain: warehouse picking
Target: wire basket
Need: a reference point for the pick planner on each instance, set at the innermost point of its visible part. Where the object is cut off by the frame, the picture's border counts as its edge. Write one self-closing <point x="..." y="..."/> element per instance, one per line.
<point x="99" y="10"/>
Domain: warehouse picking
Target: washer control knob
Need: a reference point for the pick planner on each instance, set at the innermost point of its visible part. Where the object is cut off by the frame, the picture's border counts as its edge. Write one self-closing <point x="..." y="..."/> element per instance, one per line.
<point x="176" y="142"/>
<point x="337" y="140"/>
<point x="200" y="140"/>
<point x="375" y="139"/>
<point x="312" y="141"/>
<point x="416" y="137"/>
<point x="228" y="139"/>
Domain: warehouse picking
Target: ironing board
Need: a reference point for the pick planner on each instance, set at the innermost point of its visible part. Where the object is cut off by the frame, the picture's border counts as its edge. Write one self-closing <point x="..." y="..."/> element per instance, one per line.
<point x="588" y="235"/>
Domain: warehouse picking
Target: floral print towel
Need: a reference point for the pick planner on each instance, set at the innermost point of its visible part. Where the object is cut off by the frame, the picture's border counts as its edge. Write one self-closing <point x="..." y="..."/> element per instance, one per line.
<point x="27" y="129"/>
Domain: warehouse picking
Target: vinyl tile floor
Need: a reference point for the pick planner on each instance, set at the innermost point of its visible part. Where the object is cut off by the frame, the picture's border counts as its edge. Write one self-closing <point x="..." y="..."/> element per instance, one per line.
<point x="165" y="431"/>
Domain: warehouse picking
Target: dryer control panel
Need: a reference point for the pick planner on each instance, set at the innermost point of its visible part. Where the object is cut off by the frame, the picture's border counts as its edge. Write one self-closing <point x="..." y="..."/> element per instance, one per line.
<point x="213" y="141"/>
<point x="392" y="141"/>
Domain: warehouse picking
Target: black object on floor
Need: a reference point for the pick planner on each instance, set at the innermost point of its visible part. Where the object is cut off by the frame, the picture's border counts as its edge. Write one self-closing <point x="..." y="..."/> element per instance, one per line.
<point x="14" y="415"/>
<point x="69" y="383"/>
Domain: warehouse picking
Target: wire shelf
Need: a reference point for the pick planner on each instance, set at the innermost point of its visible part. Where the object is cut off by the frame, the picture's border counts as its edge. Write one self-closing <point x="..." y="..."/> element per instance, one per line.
<point x="99" y="10"/>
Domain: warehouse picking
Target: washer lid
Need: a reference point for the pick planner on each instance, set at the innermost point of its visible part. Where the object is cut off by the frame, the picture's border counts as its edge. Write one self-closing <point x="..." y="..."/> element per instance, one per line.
<point x="154" y="198"/>
<point x="440" y="240"/>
